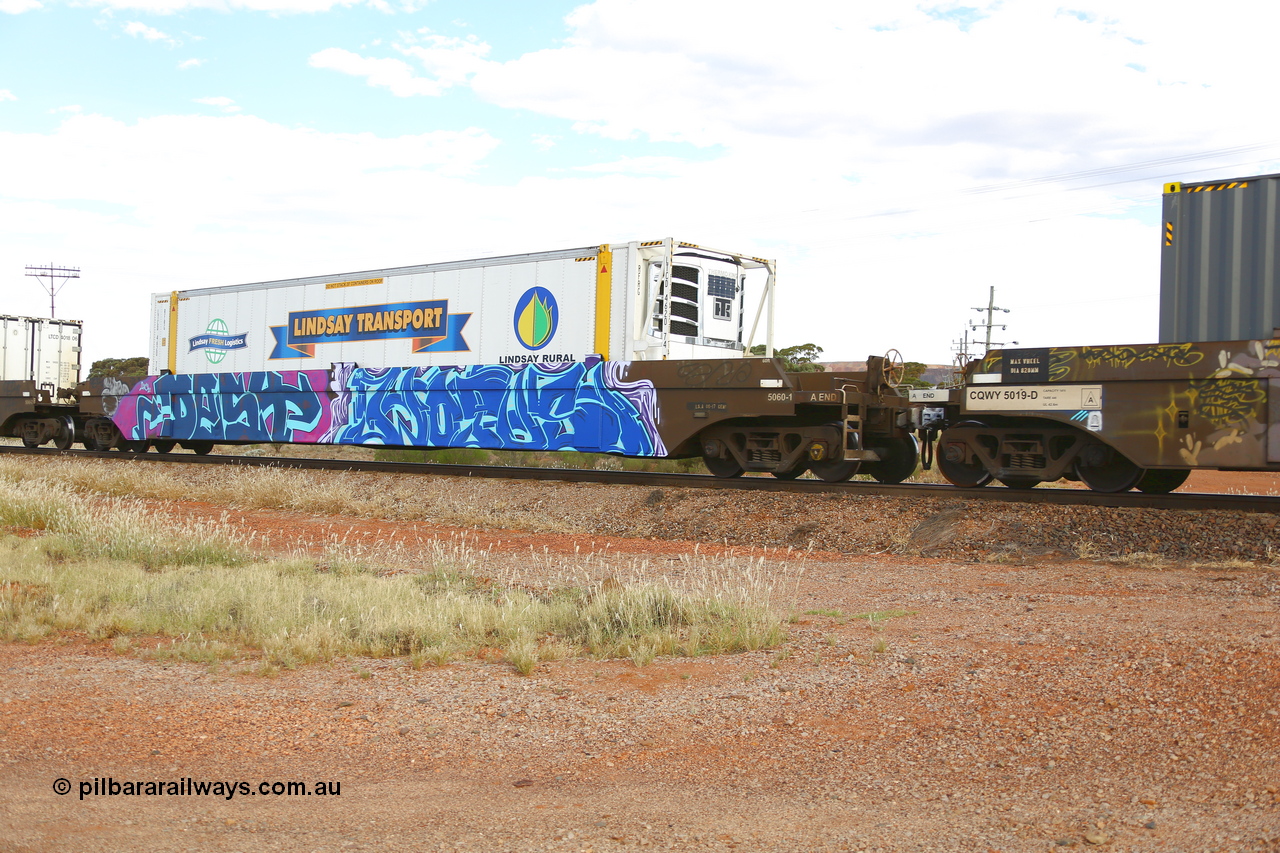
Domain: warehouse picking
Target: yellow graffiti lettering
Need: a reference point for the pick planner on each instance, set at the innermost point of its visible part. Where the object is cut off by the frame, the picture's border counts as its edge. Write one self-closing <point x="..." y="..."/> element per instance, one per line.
<point x="1060" y="364"/>
<point x="1228" y="403"/>
<point x="1172" y="355"/>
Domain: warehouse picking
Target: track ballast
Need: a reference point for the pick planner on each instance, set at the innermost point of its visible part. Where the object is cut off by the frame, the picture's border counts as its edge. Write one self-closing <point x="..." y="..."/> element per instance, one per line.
<point x="1065" y="497"/>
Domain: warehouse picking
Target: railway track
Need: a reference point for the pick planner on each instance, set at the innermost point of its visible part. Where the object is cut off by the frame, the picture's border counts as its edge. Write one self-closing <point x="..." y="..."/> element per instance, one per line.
<point x="1044" y="495"/>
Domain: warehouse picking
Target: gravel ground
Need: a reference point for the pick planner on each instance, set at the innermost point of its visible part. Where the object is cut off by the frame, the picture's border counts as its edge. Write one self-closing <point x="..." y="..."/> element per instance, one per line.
<point x="1022" y="698"/>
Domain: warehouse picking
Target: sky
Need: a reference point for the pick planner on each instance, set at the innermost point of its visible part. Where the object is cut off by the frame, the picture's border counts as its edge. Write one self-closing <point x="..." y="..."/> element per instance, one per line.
<point x="897" y="159"/>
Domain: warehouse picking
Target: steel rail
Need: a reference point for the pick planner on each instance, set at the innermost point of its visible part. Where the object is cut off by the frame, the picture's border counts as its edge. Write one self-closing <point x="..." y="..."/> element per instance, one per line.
<point x="1048" y="495"/>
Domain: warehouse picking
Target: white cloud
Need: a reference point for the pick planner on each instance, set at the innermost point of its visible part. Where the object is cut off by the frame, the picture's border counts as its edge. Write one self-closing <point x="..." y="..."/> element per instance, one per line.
<point x="544" y="141"/>
<point x="162" y="7"/>
<point x="6" y="95"/>
<point x="449" y="61"/>
<point x="392" y="74"/>
<point x="17" y="7"/>
<point x="227" y="105"/>
<point x="137" y="29"/>
<point x="190" y="63"/>
<point x="664" y="166"/>
<point x="69" y="108"/>
<point x="1022" y="76"/>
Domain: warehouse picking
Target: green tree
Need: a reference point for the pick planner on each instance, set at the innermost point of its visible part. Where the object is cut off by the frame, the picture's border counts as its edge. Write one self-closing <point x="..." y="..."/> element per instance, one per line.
<point x="911" y="372"/>
<point x="802" y="358"/>
<point x="119" y="367"/>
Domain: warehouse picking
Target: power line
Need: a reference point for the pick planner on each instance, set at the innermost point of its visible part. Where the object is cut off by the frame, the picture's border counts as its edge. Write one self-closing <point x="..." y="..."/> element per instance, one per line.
<point x="55" y="275"/>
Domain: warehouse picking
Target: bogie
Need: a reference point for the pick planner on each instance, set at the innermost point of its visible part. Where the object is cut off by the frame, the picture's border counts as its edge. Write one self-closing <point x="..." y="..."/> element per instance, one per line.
<point x="898" y="460"/>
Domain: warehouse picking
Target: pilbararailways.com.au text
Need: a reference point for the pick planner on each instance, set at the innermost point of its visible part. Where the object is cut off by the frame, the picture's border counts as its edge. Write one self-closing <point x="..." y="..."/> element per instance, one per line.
<point x="188" y="787"/>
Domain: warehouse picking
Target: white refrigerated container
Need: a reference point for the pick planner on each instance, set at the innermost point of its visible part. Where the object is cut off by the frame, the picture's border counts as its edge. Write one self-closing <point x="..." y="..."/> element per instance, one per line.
<point x="560" y="306"/>
<point x="43" y="351"/>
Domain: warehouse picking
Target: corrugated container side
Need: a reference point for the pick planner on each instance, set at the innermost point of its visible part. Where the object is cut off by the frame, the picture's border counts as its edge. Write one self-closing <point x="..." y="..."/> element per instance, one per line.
<point x="1218" y="270"/>
<point x="46" y="352"/>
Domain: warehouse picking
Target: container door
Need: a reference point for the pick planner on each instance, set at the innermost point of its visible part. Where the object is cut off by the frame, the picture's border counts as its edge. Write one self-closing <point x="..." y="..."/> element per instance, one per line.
<point x="48" y="353"/>
<point x="7" y="342"/>
<point x="15" y="352"/>
<point x="69" y="357"/>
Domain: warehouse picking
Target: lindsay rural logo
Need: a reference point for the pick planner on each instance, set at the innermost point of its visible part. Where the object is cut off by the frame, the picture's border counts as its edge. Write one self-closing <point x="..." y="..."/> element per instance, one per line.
<point x="536" y="318"/>
<point x="216" y="342"/>
<point x="429" y="325"/>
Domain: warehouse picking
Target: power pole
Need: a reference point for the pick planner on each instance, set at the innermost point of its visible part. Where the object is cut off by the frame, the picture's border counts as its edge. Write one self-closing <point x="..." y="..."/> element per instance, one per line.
<point x="991" y="309"/>
<point x="961" y="347"/>
<point x="55" y="275"/>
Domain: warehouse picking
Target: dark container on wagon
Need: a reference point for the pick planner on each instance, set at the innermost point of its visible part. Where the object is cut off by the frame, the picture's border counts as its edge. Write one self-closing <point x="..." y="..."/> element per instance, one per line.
<point x="1219" y="270"/>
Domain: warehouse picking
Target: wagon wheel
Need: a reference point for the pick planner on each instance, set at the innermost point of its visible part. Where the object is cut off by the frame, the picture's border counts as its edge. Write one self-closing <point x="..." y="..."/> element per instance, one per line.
<point x="725" y="469"/>
<point x="898" y="460"/>
<point x="830" y="470"/>
<point x="793" y="472"/>
<point x="723" y="466"/>
<point x="966" y="475"/>
<point x="66" y="433"/>
<point x="834" y="470"/>
<point x="1161" y="481"/>
<point x="164" y="445"/>
<point x="1020" y="482"/>
<point x="1110" y="472"/>
<point x="894" y="369"/>
<point x="199" y="448"/>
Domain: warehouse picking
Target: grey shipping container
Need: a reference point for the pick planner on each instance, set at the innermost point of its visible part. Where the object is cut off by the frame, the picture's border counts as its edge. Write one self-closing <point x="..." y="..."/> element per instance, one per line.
<point x="44" y="352"/>
<point x="1219" y="276"/>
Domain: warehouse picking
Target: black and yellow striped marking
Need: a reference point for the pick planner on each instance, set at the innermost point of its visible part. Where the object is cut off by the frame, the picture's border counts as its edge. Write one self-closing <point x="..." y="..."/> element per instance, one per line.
<point x="1234" y="185"/>
<point x="1168" y="233"/>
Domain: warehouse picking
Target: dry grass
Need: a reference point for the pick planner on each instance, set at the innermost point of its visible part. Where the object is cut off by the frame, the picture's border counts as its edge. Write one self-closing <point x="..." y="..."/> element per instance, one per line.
<point x="352" y="494"/>
<point x="1091" y="551"/>
<point x="110" y="570"/>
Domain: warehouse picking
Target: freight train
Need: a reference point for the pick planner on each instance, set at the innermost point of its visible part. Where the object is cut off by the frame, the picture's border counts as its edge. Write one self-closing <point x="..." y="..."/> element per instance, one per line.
<point x="640" y="349"/>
